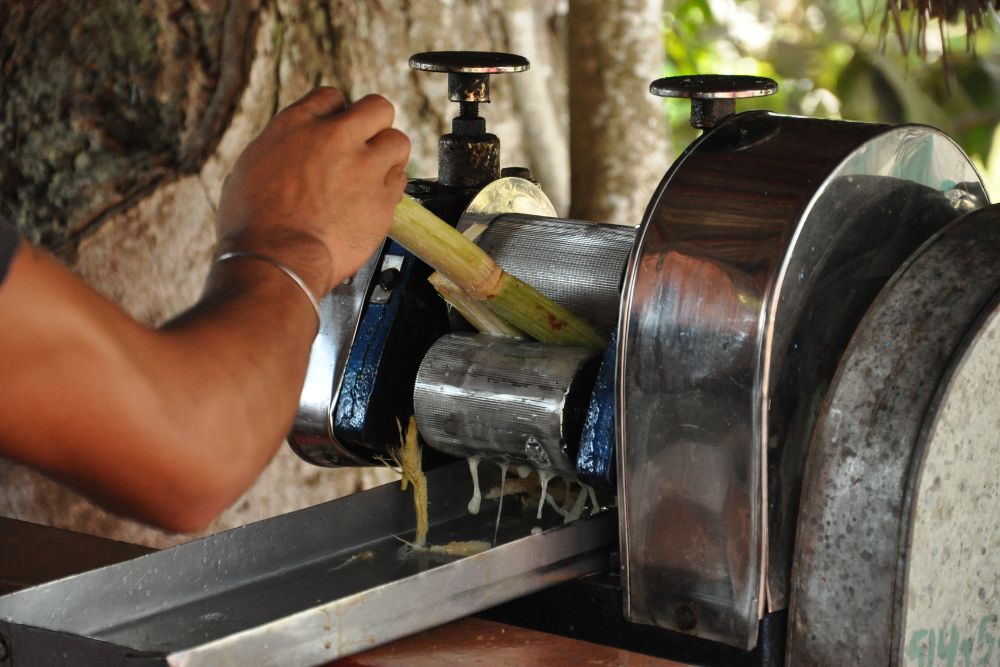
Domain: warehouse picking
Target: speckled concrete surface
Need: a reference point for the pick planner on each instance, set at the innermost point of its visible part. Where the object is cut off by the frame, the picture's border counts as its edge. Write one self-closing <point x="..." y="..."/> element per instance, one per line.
<point x="952" y="588"/>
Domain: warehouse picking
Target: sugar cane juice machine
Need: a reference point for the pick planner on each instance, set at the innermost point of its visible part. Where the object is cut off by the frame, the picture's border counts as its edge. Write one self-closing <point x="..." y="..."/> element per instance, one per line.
<point x="796" y="415"/>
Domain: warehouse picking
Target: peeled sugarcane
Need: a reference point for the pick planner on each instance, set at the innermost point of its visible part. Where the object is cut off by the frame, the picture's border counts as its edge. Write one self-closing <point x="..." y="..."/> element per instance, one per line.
<point x="479" y="316"/>
<point x="467" y="266"/>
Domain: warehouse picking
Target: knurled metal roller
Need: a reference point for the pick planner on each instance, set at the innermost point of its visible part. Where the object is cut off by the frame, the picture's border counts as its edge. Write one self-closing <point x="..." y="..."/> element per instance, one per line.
<point x="576" y="263"/>
<point x="505" y="400"/>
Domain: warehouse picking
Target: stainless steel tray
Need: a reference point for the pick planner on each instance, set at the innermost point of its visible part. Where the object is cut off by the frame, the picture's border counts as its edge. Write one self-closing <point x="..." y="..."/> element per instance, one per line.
<point x="304" y="588"/>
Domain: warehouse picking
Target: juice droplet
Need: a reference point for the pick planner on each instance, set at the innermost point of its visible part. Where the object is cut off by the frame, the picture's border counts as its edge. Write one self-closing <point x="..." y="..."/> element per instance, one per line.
<point x="476" y="495"/>
<point x="543" y="476"/>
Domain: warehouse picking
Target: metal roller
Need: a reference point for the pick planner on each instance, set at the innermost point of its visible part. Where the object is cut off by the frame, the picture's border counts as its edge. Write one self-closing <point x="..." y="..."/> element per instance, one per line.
<point x="577" y="264"/>
<point x="508" y="401"/>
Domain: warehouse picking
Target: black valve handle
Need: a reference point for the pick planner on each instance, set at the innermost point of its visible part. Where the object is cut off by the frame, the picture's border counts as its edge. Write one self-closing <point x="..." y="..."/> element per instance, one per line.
<point x="468" y="157"/>
<point x="468" y="71"/>
<point x="713" y="96"/>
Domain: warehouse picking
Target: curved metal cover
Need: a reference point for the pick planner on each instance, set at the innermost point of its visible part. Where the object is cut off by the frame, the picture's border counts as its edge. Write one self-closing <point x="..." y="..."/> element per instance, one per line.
<point x="765" y="224"/>
<point x="312" y="432"/>
<point x="883" y="467"/>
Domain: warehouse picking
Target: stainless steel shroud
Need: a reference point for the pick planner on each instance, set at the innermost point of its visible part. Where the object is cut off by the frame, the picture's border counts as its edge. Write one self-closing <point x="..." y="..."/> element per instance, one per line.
<point x="303" y="588"/>
<point x="759" y="253"/>
<point x="508" y="401"/>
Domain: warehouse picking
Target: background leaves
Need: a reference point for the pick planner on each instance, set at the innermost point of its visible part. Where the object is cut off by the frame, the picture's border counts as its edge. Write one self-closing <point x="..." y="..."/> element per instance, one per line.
<point x="831" y="59"/>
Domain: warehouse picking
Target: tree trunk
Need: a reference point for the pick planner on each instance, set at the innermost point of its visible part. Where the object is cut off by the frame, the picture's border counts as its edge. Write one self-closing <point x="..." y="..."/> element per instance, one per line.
<point x="618" y="131"/>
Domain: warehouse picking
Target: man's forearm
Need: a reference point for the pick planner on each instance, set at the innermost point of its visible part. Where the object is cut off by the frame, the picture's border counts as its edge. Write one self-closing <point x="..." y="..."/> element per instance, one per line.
<point x="173" y="424"/>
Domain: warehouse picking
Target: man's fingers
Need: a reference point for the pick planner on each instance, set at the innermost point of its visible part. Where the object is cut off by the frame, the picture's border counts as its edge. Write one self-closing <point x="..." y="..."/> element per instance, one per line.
<point x="321" y="101"/>
<point x="391" y="147"/>
<point x="370" y="115"/>
<point x="396" y="180"/>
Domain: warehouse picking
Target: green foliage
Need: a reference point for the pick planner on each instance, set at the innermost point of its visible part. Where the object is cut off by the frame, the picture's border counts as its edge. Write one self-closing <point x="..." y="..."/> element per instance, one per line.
<point x="833" y="59"/>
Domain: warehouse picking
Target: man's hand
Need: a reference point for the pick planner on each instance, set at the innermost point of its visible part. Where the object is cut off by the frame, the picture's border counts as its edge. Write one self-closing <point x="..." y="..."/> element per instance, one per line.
<point x="316" y="189"/>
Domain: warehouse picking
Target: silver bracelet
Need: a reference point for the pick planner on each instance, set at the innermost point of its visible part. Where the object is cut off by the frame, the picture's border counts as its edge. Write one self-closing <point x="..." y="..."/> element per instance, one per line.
<point x="238" y="254"/>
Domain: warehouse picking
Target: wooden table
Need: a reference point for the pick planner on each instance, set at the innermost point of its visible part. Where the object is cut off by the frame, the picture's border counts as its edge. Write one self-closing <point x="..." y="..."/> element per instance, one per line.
<point x="474" y="641"/>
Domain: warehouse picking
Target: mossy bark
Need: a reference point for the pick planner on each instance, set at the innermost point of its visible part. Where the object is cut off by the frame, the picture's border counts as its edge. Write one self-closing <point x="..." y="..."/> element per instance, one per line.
<point x="104" y="100"/>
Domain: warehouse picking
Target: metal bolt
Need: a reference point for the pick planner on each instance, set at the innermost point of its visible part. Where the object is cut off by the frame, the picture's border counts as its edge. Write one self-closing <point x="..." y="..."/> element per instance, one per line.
<point x="468" y="157"/>
<point x="518" y="172"/>
<point x="684" y="617"/>
<point x="389" y="279"/>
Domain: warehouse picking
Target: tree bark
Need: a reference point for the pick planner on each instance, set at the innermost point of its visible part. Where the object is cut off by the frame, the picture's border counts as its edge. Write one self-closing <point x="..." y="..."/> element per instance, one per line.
<point x="618" y="131"/>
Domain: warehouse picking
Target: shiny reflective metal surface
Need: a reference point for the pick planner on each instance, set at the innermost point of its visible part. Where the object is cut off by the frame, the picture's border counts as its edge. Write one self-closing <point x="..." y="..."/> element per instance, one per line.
<point x="714" y="86"/>
<point x="713" y="96"/>
<point x="312" y="435"/>
<point x="577" y="264"/>
<point x="505" y="195"/>
<point x="760" y="229"/>
<point x="304" y="588"/>
<point x="889" y="197"/>
<point x="503" y="400"/>
<point x="468" y="62"/>
<point x="867" y="464"/>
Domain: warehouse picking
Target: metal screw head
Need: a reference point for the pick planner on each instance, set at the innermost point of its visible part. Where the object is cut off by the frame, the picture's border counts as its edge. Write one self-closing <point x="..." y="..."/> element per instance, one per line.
<point x="389" y="279"/>
<point x="684" y="617"/>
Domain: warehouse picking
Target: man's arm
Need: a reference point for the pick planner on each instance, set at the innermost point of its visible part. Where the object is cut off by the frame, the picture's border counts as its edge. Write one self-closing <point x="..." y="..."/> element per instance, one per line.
<point x="172" y="425"/>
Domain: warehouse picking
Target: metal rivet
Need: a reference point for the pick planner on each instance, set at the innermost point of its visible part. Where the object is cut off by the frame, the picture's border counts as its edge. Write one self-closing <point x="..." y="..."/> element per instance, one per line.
<point x="389" y="279"/>
<point x="684" y="617"/>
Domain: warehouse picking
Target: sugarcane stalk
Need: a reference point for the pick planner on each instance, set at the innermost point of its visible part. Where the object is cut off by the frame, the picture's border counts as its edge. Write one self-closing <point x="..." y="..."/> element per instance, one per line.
<point x="479" y="316"/>
<point x="539" y="317"/>
<point x="469" y="267"/>
<point x="445" y="249"/>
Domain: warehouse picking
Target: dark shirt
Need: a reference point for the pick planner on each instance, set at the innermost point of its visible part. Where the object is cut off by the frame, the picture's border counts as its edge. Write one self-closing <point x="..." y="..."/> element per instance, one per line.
<point x="8" y="246"/>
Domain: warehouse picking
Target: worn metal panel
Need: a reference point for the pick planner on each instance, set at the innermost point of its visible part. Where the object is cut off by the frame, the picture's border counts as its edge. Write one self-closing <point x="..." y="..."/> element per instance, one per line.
<point x="303" y="588"/>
